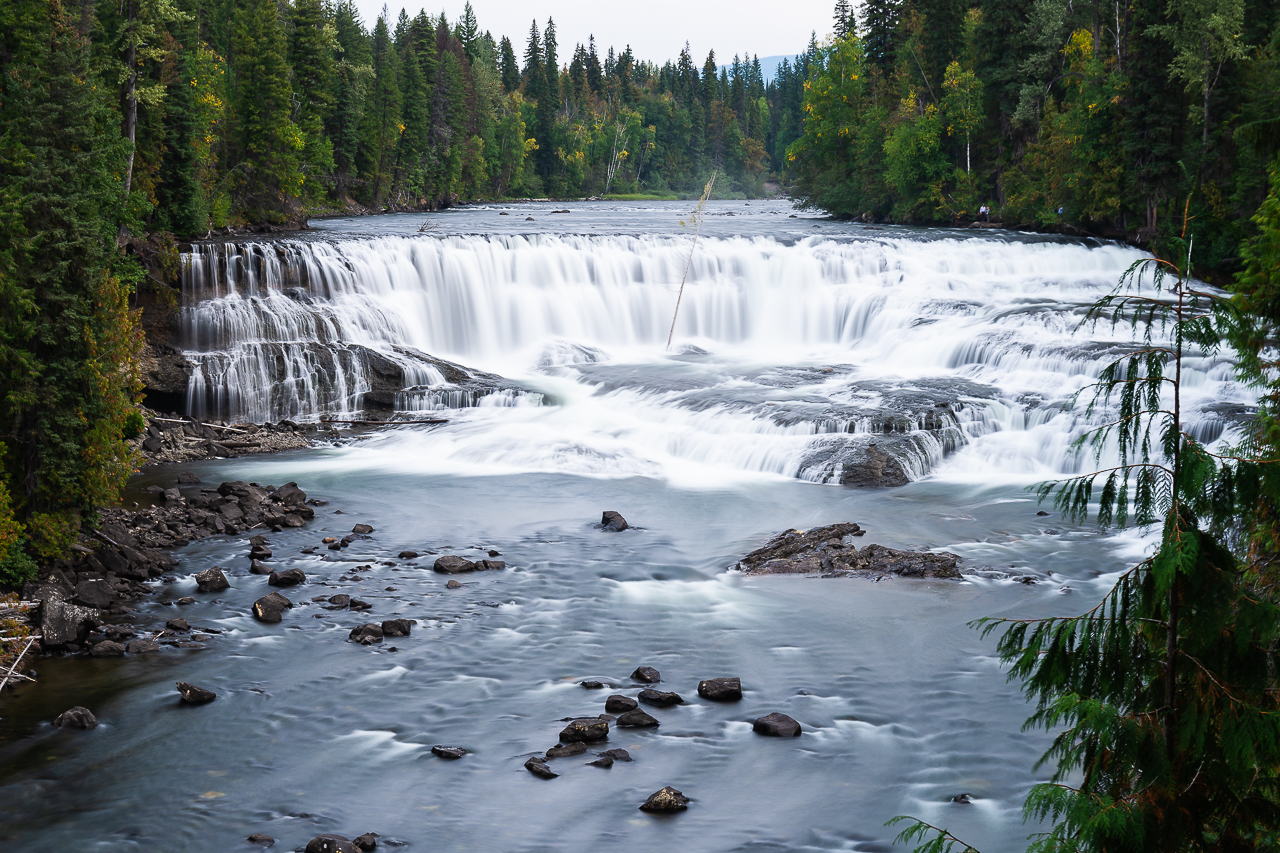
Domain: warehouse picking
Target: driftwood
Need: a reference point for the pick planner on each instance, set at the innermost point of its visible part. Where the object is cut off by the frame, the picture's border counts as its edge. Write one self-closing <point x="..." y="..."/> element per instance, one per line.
<point x="390" y="423"/>
<point x="13" y="670"/>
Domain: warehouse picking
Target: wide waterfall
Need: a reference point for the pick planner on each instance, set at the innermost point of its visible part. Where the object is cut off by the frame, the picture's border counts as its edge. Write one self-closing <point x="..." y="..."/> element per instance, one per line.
<point x="817" y="358"/>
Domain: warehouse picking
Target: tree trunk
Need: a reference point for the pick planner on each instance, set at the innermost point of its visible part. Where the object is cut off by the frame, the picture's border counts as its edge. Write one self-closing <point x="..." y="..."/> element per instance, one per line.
<point x="131" y="102"/>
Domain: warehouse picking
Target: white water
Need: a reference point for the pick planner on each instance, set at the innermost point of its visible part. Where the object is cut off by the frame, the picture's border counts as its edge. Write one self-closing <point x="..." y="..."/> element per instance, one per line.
<point x="953" y="344"/>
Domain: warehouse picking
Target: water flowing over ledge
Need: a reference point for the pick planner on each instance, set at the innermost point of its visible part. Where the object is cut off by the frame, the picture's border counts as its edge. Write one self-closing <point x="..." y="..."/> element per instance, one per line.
<point x="863" y="362"/>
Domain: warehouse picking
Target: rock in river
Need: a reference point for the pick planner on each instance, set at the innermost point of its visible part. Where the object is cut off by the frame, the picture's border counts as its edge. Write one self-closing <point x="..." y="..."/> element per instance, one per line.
<point x="408" y="555"/>
<point x="452" y="565"/>
<point x="613" y="521"/>
<point x="108" y="649"/>
<point x="646" y="675"/>
<point x="143" y="646"/>
<point x="572" y="748"/>
<point x="212" y="580"/>
<point x="776" y="725"/>
<point x="261" y="839"/>
<point x="271" y="608"/>
<point x="619" y="704"/>
<point x="721" y="689"/>
<point x="617" y="754"/>
<point x="76" y="718"/>
<point x="193" y="695"/>
<point x="367" y="635"/>
<point x="666" y="800"/>
<point x="585" y="729"/>
<point x="658" y="698"/>
<point x="396" y="627"/>
<point x="94" y="593"/>
<point x="362" y="529"/>
<point x="366" y="842"/>
<point x="602" y="761"/>
<point x="830" y="551"/>
<point x="288" y="577"/>
<point x="452" y="753"/>
<point x="637" y="719"/>
<point x="538" y="767"/>
<point x="328" y="843"/>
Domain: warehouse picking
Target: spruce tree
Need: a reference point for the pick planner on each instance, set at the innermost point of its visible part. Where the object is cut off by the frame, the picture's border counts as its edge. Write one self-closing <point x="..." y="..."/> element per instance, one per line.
<point x="508" y="68"/>
<point x="878" y="28"/>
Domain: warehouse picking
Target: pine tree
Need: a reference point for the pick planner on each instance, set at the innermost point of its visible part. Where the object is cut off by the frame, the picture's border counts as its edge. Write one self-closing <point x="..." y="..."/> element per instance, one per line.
<point x="380" y="131"/>
<point x="843" y="19"/>
<point x="312" y="43"/>
<point x="68" y="341"/>
<point x="508" y="67"/>
<point x="878" y="27"/>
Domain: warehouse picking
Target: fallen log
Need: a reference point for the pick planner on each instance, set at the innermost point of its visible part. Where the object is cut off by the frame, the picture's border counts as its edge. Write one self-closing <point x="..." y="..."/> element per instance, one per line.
<point x="389" y="423"/>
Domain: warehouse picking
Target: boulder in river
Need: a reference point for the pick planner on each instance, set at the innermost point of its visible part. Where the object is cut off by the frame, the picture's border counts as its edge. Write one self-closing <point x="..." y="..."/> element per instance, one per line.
<point x="408" y="555"/>
<point x="637" y="719"/>
<point x="212" y="580"/>
<point x="367" y="635"/>
<point x="260" y="552"/>
<point x="257" y="567"/>
<point x="366" y="842"/>
<point x="659" y="698"/>
<point x="619" y="704"/>
<point x="288" y="577"/>
<point x="193" y="695"/>
<point x="602" y="761"/>
<point x="78" y="717"/>
<point x="646" y="675"/>
<point x="666" y="800"/>
<point x="452" y="564"/>
<point x="396" y="627"/>
<point x="178" y="624"/>
<point x="362" y="529"/>
<point x="108" y="649"/>
<point x="776" y="725"/>
<point x="452" y="584"/>
<point x="261" y="839"/>
<point x="188" y="478"/>
<point x="721" y="689"/>
<point x="617" y="754"/>
<point x="537" y="765"/>
<point x="62" y="622"/>
<point x="567" y="750"/>
<point x="830" y="551"/>
<point x="585" y="729"/>
<point x="613" y="521"/>
<point x="142" y="646"/>
<point x="591" y="685"/>
<point x="329" y="843"/>
<point x="452" y="753"/>
<point x="271" y="608"/>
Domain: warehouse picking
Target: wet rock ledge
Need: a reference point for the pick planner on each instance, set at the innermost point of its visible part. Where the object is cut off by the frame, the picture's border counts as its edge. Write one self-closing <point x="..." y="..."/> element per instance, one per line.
<point x="830" y="552"/>
<point x="169" y="439"/>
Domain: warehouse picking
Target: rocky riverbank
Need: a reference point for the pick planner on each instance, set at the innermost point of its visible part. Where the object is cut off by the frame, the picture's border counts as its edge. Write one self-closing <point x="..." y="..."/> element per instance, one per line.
<point x="171" y="439"/>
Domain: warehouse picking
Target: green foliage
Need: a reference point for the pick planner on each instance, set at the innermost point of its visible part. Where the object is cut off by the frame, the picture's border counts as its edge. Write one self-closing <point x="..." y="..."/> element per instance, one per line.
<point x="134" y="425"/>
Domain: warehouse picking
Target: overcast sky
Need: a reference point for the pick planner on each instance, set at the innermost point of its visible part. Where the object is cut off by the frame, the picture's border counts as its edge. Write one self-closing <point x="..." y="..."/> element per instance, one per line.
<point x="655" y="29"/>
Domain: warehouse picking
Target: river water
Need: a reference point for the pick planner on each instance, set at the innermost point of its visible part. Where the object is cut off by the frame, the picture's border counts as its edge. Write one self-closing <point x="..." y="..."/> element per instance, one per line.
<point x="800" y="344"/>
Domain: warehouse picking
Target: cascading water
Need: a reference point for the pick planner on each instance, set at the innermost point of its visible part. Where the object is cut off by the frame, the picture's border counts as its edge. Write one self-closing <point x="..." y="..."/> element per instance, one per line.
<point x="854" y="361"/>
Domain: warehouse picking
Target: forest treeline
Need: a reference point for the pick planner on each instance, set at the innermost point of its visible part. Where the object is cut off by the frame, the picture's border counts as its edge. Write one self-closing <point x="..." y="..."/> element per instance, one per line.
<point x="1120" y="119"/>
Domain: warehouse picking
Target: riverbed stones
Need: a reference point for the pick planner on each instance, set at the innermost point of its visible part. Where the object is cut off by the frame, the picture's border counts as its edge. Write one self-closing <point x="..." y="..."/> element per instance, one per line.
<point x="260" y="552"/>
<point x="362" y="529"/>
<point x="646" y="675"/>
<point x="537" y="765"/>
<point x="637" y="719"/>
<point x="257" y="567"/>
<point x="591" y="685"/>
<point x="178" y="624"/>
<point x="366" y="842"/>
<point x="329" y="843"/>
<point x="212" y="580"/>
<point x="367" y="635"/>
<point x="188" y="478"/>
<point x="452" y="564"/>
<point x="449" y="753"/>
<point x="613" y="521"/>
<point x="585" y="729"/>
<point x="62" y="622"/>
<point x="271" y="608"/>
<point x="142" y="646"/>
<point x="261" y="839"/>
<point x="602" y="761"/>
<point x="108" y="649"/>
<point x="776" y="725"/>
<point x="830" y="551"/>
<point x="721" y="689"/>
<point x="288" y="577"/>
<point x="78" y="717"/>
<point x="452" y="584"/>
<point x="396" y="627"/>
<point x="193" y="695"/>
<point x="567" y="750"/>
<point x="408" y="555"/>
<point x="666" y="800"/>
<point x="659" y="698"/>
<point x="617" y="754"/>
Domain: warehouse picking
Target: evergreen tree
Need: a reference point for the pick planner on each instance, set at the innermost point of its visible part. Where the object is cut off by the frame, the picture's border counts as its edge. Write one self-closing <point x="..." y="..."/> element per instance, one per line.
<point x="508" y="67"/>
<point x="312" y="44"/>
<point x="878" y="27"/>
<point x="380" y="132"/>
<point x="843" y="20"/>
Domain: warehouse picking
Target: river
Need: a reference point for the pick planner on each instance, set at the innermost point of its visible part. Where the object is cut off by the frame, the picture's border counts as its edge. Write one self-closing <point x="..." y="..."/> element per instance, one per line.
<point x="802" y="345"/>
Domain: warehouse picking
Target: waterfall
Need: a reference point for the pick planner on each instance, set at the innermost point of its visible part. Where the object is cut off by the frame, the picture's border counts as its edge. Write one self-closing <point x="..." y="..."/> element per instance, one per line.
<point x="810" y="359"/>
